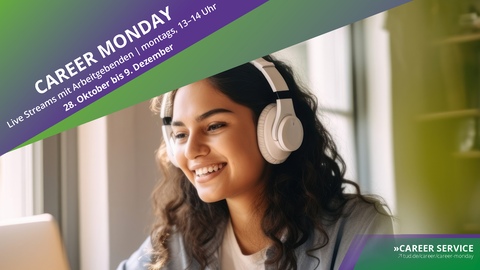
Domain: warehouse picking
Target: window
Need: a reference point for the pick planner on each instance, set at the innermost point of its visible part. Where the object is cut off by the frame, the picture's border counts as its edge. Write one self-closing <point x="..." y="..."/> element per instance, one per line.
<point x="324" y="64"/>
<point x="348" y="69"/>
<point x="21" y="182"/>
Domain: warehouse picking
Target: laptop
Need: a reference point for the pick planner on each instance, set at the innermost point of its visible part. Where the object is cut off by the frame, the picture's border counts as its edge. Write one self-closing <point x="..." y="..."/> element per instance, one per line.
<point x="31" y="243"/>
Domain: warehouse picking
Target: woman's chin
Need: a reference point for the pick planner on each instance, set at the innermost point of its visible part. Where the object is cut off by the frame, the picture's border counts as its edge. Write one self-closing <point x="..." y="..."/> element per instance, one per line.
<point x="208" y="197"/>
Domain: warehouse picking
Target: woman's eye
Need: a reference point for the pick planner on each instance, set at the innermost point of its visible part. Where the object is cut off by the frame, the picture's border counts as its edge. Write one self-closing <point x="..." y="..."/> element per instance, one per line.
<point x="179" y="136"/>
<point x="215" y="126"/>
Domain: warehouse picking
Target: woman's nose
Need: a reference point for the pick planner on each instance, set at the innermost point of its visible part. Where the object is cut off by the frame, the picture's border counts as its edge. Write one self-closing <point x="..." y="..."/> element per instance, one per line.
<point x="196" y="147"/>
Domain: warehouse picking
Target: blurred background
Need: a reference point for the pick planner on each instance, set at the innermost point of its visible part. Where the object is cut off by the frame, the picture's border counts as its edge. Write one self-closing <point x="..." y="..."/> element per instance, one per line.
<point x="399" y="91"/>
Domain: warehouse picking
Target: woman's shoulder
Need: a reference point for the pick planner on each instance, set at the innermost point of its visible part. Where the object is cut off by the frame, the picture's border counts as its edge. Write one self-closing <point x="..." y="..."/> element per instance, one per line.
<point x="140" y="259"/>
<point x="358" y="210"/>
<point x="358" y="217"/>
<point x="367" y="215"/>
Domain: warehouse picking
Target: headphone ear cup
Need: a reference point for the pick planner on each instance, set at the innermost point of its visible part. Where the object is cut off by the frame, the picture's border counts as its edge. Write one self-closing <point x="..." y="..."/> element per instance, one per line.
<point x="290" y="133"/>
<point x="271" y="152"/>
<point x="167" y="131"/>
<point x="171" y="156"/>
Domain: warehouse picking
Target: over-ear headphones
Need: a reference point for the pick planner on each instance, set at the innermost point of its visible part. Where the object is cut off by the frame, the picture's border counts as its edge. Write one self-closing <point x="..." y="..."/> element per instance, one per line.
<point x="279" y="131"/>
<point x="166" y="115"/>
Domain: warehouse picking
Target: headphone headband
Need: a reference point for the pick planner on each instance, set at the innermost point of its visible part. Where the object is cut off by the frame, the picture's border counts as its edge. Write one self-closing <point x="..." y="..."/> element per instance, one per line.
<point x="270" y="72"/>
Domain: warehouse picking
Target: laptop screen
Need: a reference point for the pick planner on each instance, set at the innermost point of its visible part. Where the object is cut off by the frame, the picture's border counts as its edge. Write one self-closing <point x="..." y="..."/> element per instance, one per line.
<point x="31" y="243"/>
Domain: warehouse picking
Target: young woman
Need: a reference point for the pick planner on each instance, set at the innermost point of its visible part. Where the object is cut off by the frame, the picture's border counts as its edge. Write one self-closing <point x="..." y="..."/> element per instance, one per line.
<point x="244" y="196"/>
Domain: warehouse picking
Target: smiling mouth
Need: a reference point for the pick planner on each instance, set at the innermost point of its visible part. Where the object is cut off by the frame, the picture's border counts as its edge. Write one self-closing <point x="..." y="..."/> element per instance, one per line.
<point x="201" y="172"/>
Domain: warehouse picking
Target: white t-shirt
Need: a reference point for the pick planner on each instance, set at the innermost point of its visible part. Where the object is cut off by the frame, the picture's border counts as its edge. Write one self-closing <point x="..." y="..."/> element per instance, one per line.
<point x="231" y="256"/>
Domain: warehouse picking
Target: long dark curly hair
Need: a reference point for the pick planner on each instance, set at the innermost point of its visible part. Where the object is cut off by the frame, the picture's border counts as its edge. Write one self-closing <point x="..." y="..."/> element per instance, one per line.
<point x="302" y="194"/>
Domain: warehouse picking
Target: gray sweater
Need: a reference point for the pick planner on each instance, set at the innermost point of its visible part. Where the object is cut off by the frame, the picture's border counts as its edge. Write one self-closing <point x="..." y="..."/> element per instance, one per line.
<point x="362" y="218"/>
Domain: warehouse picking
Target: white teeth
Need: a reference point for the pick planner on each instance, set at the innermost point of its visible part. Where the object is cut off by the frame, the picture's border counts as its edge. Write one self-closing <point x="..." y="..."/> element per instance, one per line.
<point x="206" y="170"/>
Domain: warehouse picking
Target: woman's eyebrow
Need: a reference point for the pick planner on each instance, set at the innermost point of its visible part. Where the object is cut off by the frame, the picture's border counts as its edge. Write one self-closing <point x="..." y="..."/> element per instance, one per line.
<point x="177" y="124"/>
<point x="203" y="116"/>
<point x="212" y="112"/>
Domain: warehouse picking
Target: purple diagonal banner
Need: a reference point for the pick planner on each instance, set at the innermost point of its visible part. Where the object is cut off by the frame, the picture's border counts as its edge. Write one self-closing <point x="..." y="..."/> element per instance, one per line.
<point x="153" y="32"/>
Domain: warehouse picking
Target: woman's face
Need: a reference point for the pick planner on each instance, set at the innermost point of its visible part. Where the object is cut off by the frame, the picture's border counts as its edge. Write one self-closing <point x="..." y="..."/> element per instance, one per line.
<point x="216" y="143"/>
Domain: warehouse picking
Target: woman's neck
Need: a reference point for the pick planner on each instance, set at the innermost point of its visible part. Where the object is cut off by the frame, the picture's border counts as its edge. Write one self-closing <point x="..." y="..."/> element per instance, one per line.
<point x="246" y="215"/>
